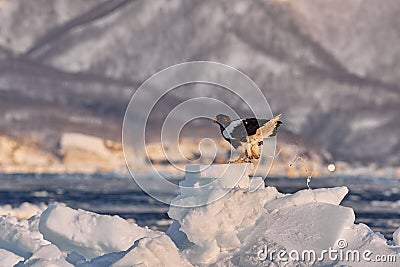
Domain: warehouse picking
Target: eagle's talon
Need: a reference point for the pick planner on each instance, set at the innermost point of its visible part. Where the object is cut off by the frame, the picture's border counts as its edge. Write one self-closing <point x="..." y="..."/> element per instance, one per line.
<point x="240" y="160"/>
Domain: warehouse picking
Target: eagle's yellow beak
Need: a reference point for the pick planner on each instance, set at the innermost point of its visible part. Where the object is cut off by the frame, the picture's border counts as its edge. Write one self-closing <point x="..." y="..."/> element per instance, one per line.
<point x="215" y="120"/>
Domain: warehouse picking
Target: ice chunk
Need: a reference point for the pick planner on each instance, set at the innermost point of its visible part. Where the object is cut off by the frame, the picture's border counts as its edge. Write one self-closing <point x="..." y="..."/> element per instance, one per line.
<point x="88" y="233"/>
<point x="104" y="260"/>
<point x="324" y="195"/>
<point x="215" y="227"/>
<point x="207" y="183"/>
<point x="308" y="219"/>
<point x="314" y="226"/>
<point x="308" y="227"/>
<point x="396" y="237"/>
<point x="158" y="251"/>
<point x="361" y="238"/>
<point x="17" y="237"/>
<point x="48" y="255"/>
<point x="8" y="258"/>
<point x="147" y="251"/>
<point x="225" y="175"/>
<point x="256" y="183"/>
<point x="217" y="171"/>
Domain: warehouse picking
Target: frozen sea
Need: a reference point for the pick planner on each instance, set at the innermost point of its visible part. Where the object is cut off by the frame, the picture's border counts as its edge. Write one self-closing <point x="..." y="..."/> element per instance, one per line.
<point x="376" y="201"/>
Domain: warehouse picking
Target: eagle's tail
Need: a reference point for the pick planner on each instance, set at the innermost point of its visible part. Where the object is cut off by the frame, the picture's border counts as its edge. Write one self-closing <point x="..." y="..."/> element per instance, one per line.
<point x="270" y="127"/>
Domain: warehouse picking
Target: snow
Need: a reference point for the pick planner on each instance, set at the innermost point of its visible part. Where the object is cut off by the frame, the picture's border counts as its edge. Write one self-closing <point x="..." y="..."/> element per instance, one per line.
<point x="396" y="237"/>
<point x="8" y="258"/>
<point x="88" y="233"/>
<point x="19" y="237"/>
<point x="234" y="230"/>
<point x="362" y="238"/>
<point x="298" y="227"/>
<point x="48" y="255"/>
<point x="231" y="231"/>
<point x="324" y="195"/>
<point x="159" y="251"/>
<point x="222" y="172"/>
<point x="207" y="183"/>
<point x="215" y="227"/>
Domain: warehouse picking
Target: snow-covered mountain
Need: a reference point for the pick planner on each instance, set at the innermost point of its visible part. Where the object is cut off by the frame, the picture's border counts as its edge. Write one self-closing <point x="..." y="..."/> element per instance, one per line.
<point x="332" y="68"/>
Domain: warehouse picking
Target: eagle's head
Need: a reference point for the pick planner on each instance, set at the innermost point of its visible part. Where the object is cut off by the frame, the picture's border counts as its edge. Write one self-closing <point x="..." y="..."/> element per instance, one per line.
<point x="222" y="120"/>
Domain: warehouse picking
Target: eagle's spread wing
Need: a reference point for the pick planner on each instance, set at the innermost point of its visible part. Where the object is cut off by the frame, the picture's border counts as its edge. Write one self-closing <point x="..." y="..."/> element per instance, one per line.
<point x="265" y="131"/>
<point x="269" y="128"/>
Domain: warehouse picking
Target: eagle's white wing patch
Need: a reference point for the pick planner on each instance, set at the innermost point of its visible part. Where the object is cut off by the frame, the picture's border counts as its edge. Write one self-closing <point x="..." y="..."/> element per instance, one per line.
<point x="227" y="133"/>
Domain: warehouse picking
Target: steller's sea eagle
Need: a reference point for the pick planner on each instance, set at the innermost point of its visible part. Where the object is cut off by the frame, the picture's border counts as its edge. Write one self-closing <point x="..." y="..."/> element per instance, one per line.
<point x="246" y="135"/>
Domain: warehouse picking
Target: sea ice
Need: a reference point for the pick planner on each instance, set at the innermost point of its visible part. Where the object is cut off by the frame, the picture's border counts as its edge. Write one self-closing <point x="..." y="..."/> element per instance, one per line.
<point x="232" y="230"/>
<point x="157" y="251"/>
<point x="18" y="237"/>
<point x="8" y="258"/>
<point x="87" y="233"/>
<point x="48" y="255"/>
<point x="207" y="183"/>
<point x="396" y="237"/>
<point x="249" y="220"/>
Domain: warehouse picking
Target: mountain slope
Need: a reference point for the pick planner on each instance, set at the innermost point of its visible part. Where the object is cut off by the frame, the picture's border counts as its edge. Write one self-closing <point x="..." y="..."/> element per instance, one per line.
<point x="331" y="67"/>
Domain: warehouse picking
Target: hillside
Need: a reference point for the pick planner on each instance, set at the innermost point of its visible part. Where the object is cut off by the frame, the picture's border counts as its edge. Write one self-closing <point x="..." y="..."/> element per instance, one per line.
<point x="332" y="68"/>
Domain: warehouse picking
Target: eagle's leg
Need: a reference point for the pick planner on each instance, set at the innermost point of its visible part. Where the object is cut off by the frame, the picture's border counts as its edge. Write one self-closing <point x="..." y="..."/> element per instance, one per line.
<point x="254" y="149"/>
<point x="243" y="157"/>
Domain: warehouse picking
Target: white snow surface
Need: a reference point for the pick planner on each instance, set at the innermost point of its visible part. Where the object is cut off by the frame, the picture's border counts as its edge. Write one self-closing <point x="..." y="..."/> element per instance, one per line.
<point x="8" y="258"/>
<point x="19" y="236"/>
<point x="158" y="251"/>
<point x="235" y="230"/>
<point x="87" y="233"/>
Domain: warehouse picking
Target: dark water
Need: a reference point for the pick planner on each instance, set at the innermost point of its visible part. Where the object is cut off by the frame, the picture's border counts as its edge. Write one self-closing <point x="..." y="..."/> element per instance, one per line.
<point x="376" y="202"/>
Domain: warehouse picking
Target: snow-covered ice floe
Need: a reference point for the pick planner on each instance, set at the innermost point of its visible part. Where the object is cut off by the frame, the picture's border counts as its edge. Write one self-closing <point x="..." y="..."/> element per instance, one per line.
<point x="251" y="225"/>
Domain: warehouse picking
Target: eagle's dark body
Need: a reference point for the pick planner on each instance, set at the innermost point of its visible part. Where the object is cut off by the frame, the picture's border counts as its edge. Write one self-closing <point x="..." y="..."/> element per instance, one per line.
<point x="250" y="131"/>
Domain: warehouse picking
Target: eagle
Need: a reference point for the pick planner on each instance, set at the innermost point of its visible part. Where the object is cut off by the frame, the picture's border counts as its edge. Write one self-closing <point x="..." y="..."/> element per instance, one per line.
<point x="246" y="135"/>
